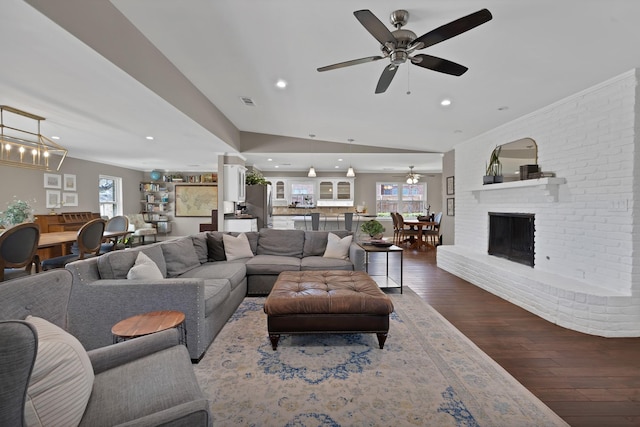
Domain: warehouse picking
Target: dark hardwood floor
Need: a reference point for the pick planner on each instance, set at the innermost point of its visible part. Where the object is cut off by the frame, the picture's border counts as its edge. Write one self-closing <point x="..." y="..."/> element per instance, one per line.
<point x="589" y="381"/>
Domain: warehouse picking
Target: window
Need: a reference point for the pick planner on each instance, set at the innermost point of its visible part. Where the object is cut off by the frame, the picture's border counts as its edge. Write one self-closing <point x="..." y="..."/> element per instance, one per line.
<point x="408" y="199"/>
<point x="110" y="196"/>
<point x="302" y="193"/>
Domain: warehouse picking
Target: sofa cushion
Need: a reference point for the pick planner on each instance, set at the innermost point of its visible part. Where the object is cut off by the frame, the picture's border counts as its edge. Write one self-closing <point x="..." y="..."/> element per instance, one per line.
<point x="61" y="380"/>
<point x="281" y="242"/>
<point x="322" y="263"/>
<point x="144" y="269"/>
<point x="271" y="264"/>
<point x="180" y="256"/>
<point x="216" y="292"/>
<point x="116" y="264"/>
<point x="236" y="247"/>
<point x="337" y="247"/>
<point x="315" y="242"/>
<point x="234" y="271"/>
<point x="200" y="245"/>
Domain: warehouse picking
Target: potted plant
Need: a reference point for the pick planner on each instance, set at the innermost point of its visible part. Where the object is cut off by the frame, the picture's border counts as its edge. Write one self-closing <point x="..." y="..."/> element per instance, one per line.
<point x="373" y="228"/>
<point x="255" y="178"/>
<point x="16" y="213"/>
<point x="494" y="168"/>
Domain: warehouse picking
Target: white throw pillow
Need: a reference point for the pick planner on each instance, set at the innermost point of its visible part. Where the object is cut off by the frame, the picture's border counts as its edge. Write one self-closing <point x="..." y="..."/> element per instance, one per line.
<point x="144" y="269"/>
<point x="236" y="247"/>
<point x="62" y="378"/>
<point x="337" y="247"/>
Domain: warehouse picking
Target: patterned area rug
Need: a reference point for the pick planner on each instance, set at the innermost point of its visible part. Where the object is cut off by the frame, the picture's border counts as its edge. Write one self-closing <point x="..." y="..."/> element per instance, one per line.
<point x="427" y="374"/>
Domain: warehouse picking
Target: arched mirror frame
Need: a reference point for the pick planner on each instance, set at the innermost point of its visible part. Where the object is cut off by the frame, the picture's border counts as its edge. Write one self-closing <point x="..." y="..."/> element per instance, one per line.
<point x="515" y="154"/>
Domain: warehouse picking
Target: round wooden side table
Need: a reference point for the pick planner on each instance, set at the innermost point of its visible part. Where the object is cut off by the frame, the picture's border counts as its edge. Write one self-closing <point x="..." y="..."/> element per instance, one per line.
<point x="149" y="323"/>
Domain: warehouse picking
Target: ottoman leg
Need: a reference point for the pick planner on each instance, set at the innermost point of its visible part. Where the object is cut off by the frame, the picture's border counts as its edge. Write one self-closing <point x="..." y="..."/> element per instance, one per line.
<point x="382" y="337"/>
<point x="274" y="340"/>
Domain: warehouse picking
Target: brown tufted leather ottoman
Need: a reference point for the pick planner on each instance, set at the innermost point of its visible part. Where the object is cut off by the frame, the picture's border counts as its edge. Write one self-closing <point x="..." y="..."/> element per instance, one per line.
<point x="306" y="302"/>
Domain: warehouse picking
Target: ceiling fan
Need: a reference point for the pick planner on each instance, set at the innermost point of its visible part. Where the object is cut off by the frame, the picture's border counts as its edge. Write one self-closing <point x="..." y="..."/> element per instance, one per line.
<point x="399" y="44"/>
<point x="411" y="177"/>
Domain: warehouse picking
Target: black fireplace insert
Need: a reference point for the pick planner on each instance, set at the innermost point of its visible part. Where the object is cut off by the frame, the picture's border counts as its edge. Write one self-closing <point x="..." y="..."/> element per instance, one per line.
<point x="511" y="236"/>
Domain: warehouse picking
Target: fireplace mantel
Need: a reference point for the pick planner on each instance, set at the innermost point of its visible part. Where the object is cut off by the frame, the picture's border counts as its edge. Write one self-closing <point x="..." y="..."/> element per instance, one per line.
<point x="545" y="186"/>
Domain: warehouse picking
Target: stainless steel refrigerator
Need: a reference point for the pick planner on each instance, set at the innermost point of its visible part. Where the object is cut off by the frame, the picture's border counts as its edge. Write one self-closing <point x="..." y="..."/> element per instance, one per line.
<point x="258" y="204"/>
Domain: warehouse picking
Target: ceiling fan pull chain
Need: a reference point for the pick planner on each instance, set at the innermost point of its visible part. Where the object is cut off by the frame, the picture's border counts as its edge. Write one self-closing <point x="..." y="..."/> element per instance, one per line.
<point x="408" y="81"/>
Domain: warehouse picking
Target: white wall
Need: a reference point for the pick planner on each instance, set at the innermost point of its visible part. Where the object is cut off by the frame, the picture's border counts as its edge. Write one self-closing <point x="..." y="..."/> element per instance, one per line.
<point x="586" y="236"/>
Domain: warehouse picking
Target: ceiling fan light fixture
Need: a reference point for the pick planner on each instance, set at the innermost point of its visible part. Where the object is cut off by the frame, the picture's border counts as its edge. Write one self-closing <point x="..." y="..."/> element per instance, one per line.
<point x="350" y="172"/>
<point x="312" y="172"/>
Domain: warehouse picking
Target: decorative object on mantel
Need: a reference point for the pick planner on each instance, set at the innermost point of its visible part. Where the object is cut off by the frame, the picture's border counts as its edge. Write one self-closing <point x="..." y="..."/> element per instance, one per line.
<point x="28" y="149"/>
<point x="494" y="168"/>
<point x="373" y="228"/>
<point x="526" y="171"/>
<point x="17" y="212"/>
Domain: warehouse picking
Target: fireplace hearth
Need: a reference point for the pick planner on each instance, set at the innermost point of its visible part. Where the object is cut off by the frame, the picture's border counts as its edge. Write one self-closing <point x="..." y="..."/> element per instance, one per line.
<point x="511" y="236"/>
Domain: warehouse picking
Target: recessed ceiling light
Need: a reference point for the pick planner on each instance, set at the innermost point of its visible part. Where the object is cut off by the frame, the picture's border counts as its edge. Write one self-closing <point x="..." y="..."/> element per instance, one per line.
<point x="337" y="167"/>
<point x="150" y="138"/>
<point x="55" y="137"/>
<point x="269" y="160"/>
<point x="281" y="84"/>
<point x="445" y="102"/>
<point x="339" y="160"/>
<point x="277" y="166"/>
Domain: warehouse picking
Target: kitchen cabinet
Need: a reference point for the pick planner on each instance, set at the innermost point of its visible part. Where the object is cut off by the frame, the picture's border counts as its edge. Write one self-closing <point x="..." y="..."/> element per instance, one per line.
<point x="241" y="225"/>
<point x="234" y="183"/>
<point x="335" y="192"/>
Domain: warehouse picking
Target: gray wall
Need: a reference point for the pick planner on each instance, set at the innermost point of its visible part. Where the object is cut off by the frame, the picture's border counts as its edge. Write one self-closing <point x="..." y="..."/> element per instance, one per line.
<point x="28" y="184"/>
<point x="447" y="225"/>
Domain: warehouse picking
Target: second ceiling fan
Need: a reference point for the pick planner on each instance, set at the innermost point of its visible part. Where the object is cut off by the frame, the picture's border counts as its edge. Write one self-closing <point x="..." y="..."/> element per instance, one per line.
<point x="397" y="45"/>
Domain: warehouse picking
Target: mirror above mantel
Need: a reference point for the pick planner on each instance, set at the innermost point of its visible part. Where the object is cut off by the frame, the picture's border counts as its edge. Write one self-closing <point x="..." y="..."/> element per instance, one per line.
<point x="515" y="154"/>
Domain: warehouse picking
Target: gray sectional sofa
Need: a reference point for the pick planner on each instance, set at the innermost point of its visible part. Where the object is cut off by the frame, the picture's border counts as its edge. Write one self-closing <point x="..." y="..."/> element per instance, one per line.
<point x="197" y="280"/>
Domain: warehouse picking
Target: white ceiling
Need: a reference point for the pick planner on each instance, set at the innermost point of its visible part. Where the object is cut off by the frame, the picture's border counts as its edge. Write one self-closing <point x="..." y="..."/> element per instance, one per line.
<point x="210" y="53"/>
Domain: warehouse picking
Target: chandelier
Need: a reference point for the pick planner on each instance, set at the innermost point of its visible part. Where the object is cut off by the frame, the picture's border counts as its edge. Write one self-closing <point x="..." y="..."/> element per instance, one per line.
<point x="412" y="178"/>
<point x="27" y="149"/>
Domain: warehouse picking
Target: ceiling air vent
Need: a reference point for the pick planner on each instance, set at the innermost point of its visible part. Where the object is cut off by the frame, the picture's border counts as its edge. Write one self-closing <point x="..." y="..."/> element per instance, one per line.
<point x="247" y="101"/>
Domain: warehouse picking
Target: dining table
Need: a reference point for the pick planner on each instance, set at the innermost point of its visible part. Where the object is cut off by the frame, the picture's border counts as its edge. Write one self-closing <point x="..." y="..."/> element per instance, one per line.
<point x="419" y="225"/>
<point x="62" y="239"/>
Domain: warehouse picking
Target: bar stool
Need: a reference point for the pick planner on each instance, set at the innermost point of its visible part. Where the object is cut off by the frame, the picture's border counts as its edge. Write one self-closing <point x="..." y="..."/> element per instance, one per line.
<point x="348" y="220"/>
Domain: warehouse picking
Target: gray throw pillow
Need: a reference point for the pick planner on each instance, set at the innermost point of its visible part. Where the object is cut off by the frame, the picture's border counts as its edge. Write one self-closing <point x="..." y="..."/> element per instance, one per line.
<point x="200" y="245"/>
<point x="180" y="256"/>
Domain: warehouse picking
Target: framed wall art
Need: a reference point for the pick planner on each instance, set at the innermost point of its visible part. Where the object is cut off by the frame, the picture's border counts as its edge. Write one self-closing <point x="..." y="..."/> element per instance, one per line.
<point x="69" y="182"/>
<point x="196" y="200"/>
<point x="450" y="185"/>
<point x="70" y="199"/>
<point x="451" y="206"/>
<point x="52" y="198"/>
<point x="52" y="180"/>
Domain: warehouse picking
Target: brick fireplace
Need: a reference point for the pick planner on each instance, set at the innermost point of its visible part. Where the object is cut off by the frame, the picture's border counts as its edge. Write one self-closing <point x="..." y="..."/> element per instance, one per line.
<point x="584" y="276"/>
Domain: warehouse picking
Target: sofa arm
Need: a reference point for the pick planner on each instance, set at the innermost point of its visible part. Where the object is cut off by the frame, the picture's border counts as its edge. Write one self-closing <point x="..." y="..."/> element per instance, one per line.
<point x="193" y="413"/>
<point x="95" y="307"/>
<point x="105" y="358"/>
<point x="356" y="255"/>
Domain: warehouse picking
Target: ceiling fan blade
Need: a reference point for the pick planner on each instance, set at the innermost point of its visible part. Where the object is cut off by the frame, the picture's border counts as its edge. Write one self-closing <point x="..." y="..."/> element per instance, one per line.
<point x="349" y="63"/>
<point x="375" y="27"/>
<point x="453" y="28"/>
<point x="438" y="64"/>
<point x="386" y="77"/>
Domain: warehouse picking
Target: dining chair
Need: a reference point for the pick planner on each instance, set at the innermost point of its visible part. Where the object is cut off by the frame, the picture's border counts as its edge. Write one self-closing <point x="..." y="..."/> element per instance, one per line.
<point x="18" y="246"/>
<point x="433" y="233"/>
<point x="396" y="230"/>
<point x="405" y="233"/>
<point x="89" y="241"/>
<point x="117" y="223"/>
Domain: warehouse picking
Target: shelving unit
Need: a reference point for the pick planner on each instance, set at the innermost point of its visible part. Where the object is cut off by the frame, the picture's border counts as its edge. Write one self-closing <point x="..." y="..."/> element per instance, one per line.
<point x="156" y="204"/>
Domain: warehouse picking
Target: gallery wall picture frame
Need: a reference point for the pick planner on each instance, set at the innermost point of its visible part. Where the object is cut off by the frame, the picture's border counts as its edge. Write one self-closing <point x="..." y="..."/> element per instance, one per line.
<point x="451" y="206"/>
<point x="70" y="199"/>
<point x="69" y="182"/>
<point x="52" y="199"/>
<point x="52" y="180"/>
<point x="451" y="189"/>
<point x="196" y="200"/>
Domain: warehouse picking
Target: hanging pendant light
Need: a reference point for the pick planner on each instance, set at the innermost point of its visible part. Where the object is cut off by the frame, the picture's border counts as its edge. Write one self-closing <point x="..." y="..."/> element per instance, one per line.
<point x="312" y="172"/>
<point x="350" y="172"/>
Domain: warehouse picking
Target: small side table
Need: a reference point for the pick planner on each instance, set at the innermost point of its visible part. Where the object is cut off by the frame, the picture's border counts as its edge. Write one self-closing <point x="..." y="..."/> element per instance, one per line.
<point x="149" y="323"/>
<point x="369" y="248"/>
